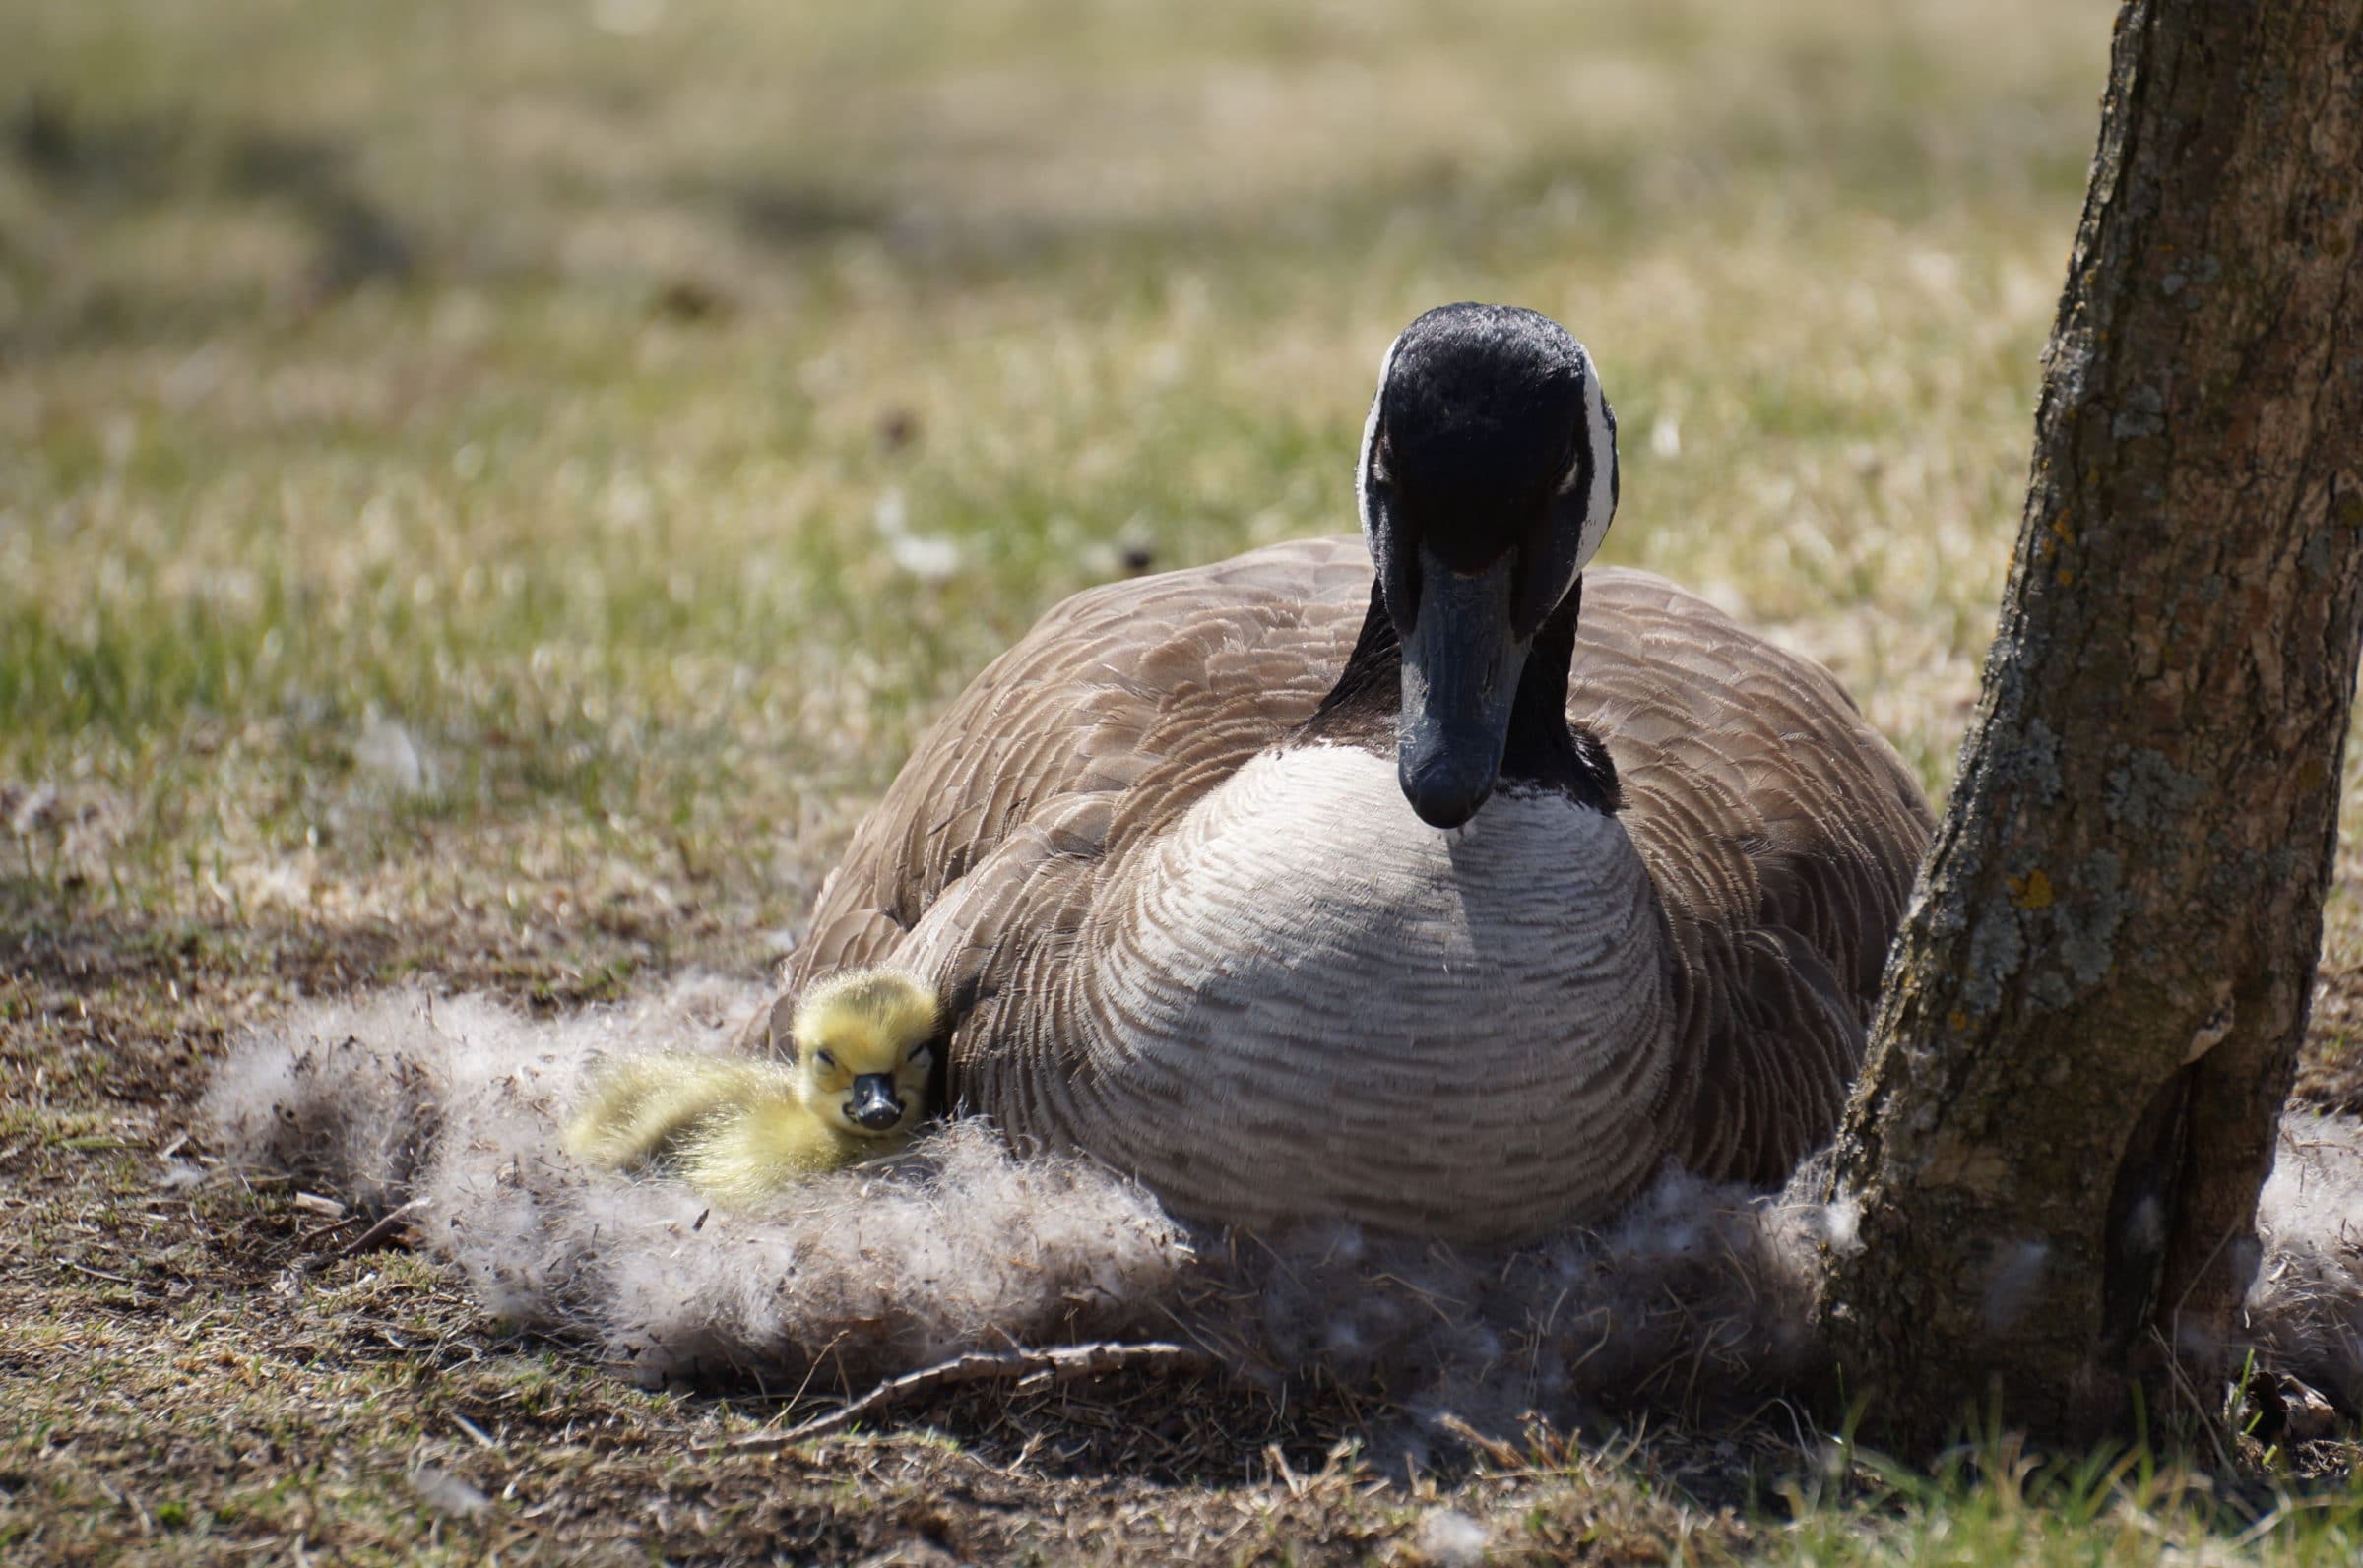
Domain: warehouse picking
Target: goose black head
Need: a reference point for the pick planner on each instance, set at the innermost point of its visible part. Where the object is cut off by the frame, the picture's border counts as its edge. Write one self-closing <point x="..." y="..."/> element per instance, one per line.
<point x="1488" y="478"/>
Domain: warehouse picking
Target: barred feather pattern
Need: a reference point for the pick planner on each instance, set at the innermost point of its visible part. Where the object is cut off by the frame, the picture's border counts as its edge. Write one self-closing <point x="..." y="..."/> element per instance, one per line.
<point x="1270" y="1030"/>
<point x="1261" y="1002"/>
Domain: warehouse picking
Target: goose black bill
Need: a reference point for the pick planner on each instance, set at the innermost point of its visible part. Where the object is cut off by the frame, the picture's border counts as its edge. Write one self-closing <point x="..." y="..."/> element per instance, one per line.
<point x="1461" y="662"/>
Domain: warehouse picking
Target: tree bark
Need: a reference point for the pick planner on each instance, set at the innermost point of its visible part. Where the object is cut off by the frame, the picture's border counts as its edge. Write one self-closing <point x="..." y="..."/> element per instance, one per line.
<point x="2091" y="1017"/>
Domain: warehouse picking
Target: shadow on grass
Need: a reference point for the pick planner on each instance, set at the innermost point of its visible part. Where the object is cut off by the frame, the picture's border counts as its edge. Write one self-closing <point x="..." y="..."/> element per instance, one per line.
<point x="133" y="160"/>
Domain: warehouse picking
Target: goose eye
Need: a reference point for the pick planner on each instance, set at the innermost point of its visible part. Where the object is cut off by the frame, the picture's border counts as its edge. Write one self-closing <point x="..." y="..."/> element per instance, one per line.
<point x="923" y="1051"/>
<point x="824" y="1058"/>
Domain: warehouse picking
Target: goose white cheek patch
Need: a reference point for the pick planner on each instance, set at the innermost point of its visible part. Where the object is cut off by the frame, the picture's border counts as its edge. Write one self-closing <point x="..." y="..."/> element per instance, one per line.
<point x="1600" y="505"/>
<point x="1370" y="438"/>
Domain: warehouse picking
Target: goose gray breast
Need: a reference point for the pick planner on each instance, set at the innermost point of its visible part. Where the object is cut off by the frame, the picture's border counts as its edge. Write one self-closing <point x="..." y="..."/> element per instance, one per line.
<point x="1198" y="931"/>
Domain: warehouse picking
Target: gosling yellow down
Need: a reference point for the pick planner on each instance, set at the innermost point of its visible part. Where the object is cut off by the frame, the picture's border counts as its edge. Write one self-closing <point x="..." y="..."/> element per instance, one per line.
<point x="741" y="1130"/>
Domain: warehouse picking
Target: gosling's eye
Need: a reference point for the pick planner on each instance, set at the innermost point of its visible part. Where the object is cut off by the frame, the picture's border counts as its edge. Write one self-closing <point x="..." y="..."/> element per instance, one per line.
<point x="923" y="1051"/>
<point x="824" y="1058"/>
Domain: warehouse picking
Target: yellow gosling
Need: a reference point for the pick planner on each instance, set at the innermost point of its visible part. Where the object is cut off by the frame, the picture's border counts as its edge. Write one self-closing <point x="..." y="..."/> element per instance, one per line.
<point x="742" y="1131"/>
<point x="641" y="1107"/>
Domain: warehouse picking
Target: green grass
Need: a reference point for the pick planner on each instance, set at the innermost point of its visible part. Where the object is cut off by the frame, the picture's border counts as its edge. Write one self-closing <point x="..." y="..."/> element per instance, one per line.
<point x="2105" y="1510"/>
<point x="449" y="457"/>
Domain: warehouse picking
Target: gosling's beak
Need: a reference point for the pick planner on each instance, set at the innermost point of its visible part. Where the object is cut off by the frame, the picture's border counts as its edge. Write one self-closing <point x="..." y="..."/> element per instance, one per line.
<point x="1461" y="662"/>
<point x="874" y="1104"/>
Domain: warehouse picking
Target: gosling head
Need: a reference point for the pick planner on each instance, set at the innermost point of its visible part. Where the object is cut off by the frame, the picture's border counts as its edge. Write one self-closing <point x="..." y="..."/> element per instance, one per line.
<point x="866" y="1046"/>
<point x="1488" y="479"/>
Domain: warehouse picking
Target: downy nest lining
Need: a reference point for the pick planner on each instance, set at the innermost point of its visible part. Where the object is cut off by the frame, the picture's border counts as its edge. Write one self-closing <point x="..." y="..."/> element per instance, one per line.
<point x="1697" y="1293"/>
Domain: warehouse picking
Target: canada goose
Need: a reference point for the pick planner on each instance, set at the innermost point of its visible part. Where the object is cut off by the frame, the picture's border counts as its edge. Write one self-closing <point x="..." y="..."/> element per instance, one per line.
<point x="1295" y="891"/>
<point x="741" y="1130"/>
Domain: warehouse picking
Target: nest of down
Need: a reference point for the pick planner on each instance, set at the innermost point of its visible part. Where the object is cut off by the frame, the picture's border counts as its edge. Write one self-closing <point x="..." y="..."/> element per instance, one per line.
<point x="451" y="1108"/>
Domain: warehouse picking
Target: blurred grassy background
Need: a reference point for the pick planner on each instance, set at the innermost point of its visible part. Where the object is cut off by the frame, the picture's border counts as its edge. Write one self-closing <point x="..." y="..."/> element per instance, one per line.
<point x="494" y="489"/>
<point x="587" y="439"/>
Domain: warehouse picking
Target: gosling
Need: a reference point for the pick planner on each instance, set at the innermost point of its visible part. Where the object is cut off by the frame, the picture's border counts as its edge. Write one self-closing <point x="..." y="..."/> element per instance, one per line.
<point x="740" y="1131"/>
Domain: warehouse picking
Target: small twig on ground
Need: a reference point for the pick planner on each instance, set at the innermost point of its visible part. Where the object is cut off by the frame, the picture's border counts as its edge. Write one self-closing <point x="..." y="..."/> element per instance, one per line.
<point x="1502" y="1454"/>
<point x="98" y="1273"/>
<point x="1278" y="1460"/>
<point x="393" y="1220"/>
<point x="1062" y="1364"/>
<point x="320" y="1233"/>
<point x="482" y="1439"/>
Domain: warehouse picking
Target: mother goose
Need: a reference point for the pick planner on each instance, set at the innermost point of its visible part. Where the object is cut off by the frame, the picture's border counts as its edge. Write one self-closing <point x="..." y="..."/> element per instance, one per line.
<point x="1415" y="899"/>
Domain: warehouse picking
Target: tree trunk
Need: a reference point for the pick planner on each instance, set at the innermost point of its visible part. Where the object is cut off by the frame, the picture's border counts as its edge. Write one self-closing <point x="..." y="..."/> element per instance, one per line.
<point x="2092" y="1014"/>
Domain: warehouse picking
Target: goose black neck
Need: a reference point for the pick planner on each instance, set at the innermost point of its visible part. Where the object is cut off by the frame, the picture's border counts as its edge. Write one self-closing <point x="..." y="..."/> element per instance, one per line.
<point x="1541" y="749"/>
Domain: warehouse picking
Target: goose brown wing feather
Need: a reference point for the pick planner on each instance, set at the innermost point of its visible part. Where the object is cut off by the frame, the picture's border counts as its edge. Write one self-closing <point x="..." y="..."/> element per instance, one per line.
<point x="1140" y="695"/>
<point x="1782" y="833"/>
